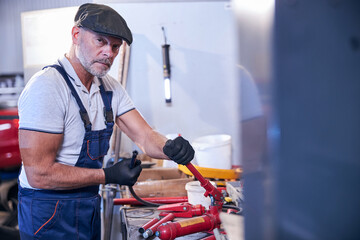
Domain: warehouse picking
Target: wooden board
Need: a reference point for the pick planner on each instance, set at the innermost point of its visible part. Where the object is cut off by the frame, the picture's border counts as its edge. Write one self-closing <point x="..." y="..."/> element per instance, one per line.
<point x="162" y="188"/>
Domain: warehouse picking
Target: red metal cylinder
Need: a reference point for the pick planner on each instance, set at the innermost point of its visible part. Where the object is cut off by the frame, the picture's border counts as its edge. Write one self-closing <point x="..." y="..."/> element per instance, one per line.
<point x="151" y="230"/>
<point x="172" y="230"/>
<point x="148" y="224"/>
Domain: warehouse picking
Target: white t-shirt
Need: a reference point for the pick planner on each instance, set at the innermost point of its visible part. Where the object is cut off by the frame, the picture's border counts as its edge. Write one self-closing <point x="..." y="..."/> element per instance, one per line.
<point x="47" y="105"/>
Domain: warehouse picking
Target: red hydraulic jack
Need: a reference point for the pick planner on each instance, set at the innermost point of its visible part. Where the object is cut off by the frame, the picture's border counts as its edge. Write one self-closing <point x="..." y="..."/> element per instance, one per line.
<point x="206" y="221"/>
<point x="183" y="210"/>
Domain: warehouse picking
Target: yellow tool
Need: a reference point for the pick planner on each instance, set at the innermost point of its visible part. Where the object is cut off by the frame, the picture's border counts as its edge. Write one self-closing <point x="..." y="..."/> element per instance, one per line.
<point x="214" y="172"/>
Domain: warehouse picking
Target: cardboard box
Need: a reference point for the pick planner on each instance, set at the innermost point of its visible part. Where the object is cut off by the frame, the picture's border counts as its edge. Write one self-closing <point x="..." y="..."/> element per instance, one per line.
<point x="151" y="174"/>
<point x="161" y="182"/>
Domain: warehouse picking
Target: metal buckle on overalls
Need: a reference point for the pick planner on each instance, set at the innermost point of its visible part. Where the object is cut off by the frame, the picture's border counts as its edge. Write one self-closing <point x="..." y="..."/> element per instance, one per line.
<point x="108" y="115"/>
<point x="85" y="118"/>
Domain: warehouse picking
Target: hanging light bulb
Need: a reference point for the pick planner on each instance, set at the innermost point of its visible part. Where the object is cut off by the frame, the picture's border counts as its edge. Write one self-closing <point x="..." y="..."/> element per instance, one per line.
<point x="166" y="69"/>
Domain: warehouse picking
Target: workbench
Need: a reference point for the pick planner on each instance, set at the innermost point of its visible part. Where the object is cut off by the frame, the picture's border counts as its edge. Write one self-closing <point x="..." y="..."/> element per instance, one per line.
<point x="132" y="218"/>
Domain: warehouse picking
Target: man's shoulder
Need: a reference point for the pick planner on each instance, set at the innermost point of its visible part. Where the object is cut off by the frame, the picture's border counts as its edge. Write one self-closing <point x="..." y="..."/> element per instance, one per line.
<point x="48" y="76"/>
<point x="46" y="82"/>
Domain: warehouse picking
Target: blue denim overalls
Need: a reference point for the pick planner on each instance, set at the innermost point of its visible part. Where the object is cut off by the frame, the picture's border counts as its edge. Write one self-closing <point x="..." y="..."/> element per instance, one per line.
<point x="69" y="214"/>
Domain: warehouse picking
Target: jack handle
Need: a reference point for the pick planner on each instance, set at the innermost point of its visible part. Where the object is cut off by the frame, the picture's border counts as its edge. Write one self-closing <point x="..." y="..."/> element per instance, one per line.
<point x="210" y="189"/>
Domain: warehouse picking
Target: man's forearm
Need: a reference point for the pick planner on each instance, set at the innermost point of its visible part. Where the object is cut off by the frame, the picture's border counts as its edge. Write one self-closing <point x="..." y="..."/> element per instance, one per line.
<point x="61" y="177"/>
<point x="153" y="145"/>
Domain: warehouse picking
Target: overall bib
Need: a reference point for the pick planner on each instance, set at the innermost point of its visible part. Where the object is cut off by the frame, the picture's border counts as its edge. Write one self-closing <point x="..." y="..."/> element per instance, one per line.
<point x="69" y="214"/>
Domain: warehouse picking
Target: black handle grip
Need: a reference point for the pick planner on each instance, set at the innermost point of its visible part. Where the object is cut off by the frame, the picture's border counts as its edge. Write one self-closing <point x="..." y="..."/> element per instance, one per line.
<point x="133" y="159"/>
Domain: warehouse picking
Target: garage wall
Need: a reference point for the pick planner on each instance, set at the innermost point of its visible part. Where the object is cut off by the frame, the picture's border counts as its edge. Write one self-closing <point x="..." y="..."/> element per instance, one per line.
<point x="205" y="90"/>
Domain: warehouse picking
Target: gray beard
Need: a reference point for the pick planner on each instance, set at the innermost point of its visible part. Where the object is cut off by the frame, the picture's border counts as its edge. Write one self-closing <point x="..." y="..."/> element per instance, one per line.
<point x="87" y="65"/>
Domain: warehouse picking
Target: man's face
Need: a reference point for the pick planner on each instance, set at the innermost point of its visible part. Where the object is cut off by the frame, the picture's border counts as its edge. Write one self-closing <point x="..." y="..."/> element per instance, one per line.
<point x="97" y="52"/>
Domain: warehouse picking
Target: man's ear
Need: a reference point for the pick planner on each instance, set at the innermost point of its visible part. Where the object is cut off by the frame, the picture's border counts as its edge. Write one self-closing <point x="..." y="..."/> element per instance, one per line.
<point x="75" y="32"/>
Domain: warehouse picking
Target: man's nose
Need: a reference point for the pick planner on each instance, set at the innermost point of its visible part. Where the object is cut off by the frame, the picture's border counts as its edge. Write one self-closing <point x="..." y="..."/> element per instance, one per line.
<point x="108" y="51"/>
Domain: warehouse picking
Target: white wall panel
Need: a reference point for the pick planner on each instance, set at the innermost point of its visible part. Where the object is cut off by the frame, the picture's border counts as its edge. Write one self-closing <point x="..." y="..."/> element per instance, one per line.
<point x="203" y="54"/>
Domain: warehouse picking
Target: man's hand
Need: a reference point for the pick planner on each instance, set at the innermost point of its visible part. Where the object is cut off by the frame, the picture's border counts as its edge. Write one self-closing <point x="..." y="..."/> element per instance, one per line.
<point x="122" y="174"/>
<point x="179" y="150"/>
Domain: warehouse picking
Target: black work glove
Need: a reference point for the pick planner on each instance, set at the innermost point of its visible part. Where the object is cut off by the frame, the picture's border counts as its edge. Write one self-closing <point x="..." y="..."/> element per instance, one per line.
<point x="179" y="150"/>
<point x="121" y="173"/>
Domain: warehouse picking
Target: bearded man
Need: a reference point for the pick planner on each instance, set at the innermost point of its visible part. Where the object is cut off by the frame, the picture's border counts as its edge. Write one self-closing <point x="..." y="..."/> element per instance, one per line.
<point x="67" y="112"/>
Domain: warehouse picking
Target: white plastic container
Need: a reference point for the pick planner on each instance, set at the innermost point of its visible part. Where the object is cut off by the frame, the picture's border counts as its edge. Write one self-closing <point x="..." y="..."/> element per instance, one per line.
<point x="195" y="194"/>
<point x="213" y="151"/>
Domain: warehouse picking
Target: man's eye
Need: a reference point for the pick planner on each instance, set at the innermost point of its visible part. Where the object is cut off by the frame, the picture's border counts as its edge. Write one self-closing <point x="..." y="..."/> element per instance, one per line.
<point x="100" y="41"/>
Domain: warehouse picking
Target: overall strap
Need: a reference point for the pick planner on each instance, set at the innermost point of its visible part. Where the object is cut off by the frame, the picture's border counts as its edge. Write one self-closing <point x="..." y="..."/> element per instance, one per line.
<point x="106" y="97"/>
<point x="83" y="113"/>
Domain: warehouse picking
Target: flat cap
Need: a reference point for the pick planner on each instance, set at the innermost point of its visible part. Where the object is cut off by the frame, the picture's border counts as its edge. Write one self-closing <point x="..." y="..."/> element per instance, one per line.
<point x="104" y="20"/>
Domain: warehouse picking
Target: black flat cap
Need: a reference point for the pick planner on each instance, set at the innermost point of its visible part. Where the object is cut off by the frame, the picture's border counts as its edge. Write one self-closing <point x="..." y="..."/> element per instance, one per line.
<point x="104" y="20"/>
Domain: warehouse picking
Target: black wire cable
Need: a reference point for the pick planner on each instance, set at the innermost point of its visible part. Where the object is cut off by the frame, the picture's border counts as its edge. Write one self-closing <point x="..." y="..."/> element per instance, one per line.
<point x="231" y="207"/>
<point x="238" y="209"/>
<point x="146" y="203"/>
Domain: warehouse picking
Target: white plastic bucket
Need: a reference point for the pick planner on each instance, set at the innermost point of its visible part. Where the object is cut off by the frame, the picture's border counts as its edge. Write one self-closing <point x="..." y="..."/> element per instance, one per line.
<point x="213" y="151"/>
<point x="195" y="194"/>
